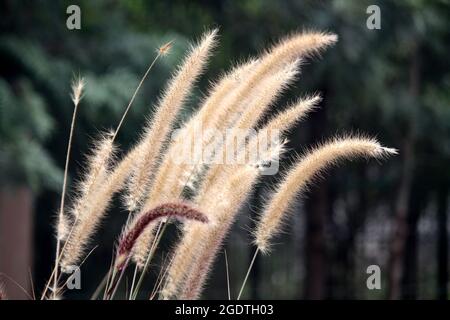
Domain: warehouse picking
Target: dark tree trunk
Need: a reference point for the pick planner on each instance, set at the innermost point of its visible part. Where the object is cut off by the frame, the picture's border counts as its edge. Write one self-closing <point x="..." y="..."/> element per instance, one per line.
<point x="316" y="276"/>
<point x="400" y="221"/>
<point x="400" y="229"/>
<point x="442" y="250"/>
<point x="410" y="267"/>
<point x="356" y="220"/>
<point x="16" y="221"/>
<point x="315" y="282"/>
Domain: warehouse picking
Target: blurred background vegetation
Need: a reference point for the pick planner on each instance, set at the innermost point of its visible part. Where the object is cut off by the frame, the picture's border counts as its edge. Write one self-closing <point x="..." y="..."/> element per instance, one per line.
<point x="391" y="83"/>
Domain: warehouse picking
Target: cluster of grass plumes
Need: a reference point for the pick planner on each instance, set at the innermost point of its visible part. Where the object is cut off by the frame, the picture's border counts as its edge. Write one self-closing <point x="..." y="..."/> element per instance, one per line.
<point x="161" y="183"/>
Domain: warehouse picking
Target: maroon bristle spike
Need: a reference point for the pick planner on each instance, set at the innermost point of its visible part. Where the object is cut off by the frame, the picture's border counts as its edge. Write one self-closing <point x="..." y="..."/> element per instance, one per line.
<point x="177" y="210"/>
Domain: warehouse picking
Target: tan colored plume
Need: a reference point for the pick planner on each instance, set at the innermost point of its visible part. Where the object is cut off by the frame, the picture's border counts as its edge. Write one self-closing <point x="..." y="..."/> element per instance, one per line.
<point x="159" y="127"/>
<point x="305" y="169"/>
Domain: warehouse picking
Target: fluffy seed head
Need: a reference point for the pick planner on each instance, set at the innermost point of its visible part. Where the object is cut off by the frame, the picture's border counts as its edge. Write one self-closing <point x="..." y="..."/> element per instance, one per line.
<point x="165" y="49"/>
<point x="159" y="127"/>
<point x="63" y="227"/>
<point x="306" y="168"/>
<point x="77" y="90"/>
<point x="94" y="196"/>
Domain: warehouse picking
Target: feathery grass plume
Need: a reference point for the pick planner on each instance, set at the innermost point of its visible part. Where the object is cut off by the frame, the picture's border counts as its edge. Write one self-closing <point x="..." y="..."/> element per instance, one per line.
<point x="307" y="168"/>
<point x="221" y="199"/>
<point x="167" y="180"/>
<point x="285" y="120"/>
<point x="291" y="50"/>
<point x="273" y="131"/>
<point x="90" y="208"/>
<point x="151" y="145"/>
<point x="199" y="245"/>
<point x="227" y="196"/>
<point x="219" y="91"/>
<point x="96" y="173"/>
<point x="158" y="129"/>
<point x="265" y="94"/>
<point x="97" y="163"/>
<point x="282" y="122"/>
<point x="178" y="210"/>
<point x="271" y="87"/>
<point x="287" y="51"/>
<point x="77" y="90"/>
<point x="167" y="185"/>
<point x="143" y="246"/>
<point x="165" y="49"/>
<point x="62" y="226"/>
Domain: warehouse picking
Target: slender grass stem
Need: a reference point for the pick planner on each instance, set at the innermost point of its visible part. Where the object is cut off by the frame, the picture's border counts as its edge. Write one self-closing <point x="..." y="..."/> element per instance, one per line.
<point x="135" y="93"/>
<point x="63" y="195"/>
<point x="134" y="280"/>
<point x="248" y="273"/>
<point x="160" y="231"/>
<point x="102" y="284"/>
<point x="116" y="286"/>
<point x="228" y="274"/>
